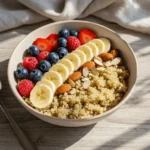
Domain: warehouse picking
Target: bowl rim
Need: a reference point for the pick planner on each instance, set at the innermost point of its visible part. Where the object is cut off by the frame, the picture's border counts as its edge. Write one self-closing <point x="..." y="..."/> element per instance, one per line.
<point x="124" y="99"/>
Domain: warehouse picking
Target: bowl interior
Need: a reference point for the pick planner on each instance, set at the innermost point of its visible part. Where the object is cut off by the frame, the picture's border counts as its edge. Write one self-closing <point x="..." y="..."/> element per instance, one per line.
<point x="101" y="31"/>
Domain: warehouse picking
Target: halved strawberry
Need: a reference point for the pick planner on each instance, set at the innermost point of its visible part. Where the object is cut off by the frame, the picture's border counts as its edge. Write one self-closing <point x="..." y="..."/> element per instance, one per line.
<point x="85" y="35"/>
<point x="53" y="38"/>
<point x="43" y="44"/>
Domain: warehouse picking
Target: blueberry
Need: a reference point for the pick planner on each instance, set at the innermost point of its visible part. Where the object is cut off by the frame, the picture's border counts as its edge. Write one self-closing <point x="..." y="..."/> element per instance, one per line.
<point x="64" y="33"/>
<point x="61" y="51"/>
<point x="33" y="50"/>
<point x="44" y="65"/>
<point x="53" y="57"/>
<point x="62" y="42"/>
<point x="74" y="33"/>
<point x="21" y="73"/>
<point x="35" y="75"/>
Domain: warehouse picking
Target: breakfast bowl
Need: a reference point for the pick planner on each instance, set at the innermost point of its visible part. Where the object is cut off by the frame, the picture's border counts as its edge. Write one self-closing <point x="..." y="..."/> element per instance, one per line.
<point x="117" y="42"/>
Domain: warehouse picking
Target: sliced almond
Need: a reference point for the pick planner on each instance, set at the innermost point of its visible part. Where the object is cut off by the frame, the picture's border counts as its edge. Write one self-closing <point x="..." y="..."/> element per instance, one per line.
<point x="108" y="63"/>
<point x="98" y="58"/>
<point x="116" y="61"/>
<point x="85" y="72"/>
<point x="86" y="84"/>
<point x="71" y="83"/>
<point x="98" y="62"/>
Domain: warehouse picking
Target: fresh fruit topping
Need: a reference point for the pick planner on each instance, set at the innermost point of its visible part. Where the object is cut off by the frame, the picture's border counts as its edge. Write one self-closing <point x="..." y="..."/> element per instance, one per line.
<point x="75" y="76"/>
<point x="44" y="65"/>
<point x="43" y="55"/>
<point x="74" y="33"/>
<point x="43" y="44"/>
<point x="85" y="71"/>
<point x="81" y="55"/>
<point x="53" y="57"/>
<point x="53" y="38"/>
<point x="94" y="48"/>
<point x="64" y="33"/>
<point x="48" y="83"/>
<point x="24" y="87"/>
<point x="68" y="64"/>
<point x="61" y="51"/>
<point x="61" y="69"/>
<point x="41" y="96"/>
<point x="106" y="43"/>
<point x="63" y="88"/>
<point x="30" y="63"/>
<point x="75" y="59"/>
<point x="33" y="50"/>
<point x="87" y="51"/>
<point x="55" y="77"/>
<point x="100" y="45"/>
<point x="90" y="65"/>
<point x="114" y="52"/>
<point x="62" y="42"/>
<point x="86" y="35"/>
<point x="72" y="43"/>
<point x="35" y="75"/>
<point x="116" y="61"/>
<point x="21" y="73"/>
<point x="106" y="56"/>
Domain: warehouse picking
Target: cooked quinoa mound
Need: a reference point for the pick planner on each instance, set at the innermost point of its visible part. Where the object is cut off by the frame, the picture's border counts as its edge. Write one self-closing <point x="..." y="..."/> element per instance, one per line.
<point x="107" y="87"/>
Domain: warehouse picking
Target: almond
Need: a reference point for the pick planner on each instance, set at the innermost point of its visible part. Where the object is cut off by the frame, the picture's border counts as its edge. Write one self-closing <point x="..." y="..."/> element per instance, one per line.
<point x="85" y="71"/>
<point x="63" y="88"/>
<point x="86" y="84"/>
<point x="90" y="65"/>
<point x="114" y="52"/>
<point x="98" y="62"/>
<point x="106" y="56"/>
<point x="75" y="76"/>
<point x="116" y="61"/>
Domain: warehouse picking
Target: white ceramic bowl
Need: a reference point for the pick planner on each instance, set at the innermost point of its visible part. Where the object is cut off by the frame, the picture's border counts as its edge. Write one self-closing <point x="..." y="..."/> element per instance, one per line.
<point x="101" y="31"/>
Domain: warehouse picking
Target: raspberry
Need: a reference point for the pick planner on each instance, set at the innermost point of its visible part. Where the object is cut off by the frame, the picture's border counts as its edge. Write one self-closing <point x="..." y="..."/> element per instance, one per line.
<point x="72" y="43"/>
<point x="24" y="87"/>
<point x="30" y="63"/>
<point x="43" y="55"/>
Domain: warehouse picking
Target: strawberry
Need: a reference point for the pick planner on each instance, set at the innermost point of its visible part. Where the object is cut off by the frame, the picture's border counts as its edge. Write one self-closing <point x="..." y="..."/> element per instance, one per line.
<point x="43" y="44"/>
<point x="85" y="35"/>
<point x="53" y="38"/>
<point x="72" y="43"/>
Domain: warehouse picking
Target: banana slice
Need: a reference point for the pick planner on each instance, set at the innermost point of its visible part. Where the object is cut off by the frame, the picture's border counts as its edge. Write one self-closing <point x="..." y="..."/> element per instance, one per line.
<point x="41" y="96"/>
<point x="100" y="45"/>
<point x="81" y="55"/>
<point x="48" y="83"/>
<point x="62" y="70"/>
<point x="87" y="51"/>
<point x="106" y="43"/>
<point x="68" y="64"/>
<point x="55" y="77"/>
<point x="75" y="59"/>
<point x="93" y="47"/>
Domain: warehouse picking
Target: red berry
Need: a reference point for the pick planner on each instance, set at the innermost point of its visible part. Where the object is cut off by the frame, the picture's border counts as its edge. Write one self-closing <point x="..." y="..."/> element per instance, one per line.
<point x="43" y="55"/>
<point x="53" y="38"/>
<point x="24" y="87"/>
<point x="72" y="43"/>
<point x="30" y="63"/>
<point x="86" y="35"/>
<point x="43" y="44"/>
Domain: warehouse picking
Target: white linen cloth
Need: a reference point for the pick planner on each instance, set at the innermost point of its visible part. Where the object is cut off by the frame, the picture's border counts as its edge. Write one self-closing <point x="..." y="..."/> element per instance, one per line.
<point x="131" y="14"/>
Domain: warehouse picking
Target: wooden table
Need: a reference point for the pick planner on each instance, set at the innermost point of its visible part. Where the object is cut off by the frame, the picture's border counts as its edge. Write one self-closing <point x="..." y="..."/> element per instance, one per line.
<point x="126" y="129"/>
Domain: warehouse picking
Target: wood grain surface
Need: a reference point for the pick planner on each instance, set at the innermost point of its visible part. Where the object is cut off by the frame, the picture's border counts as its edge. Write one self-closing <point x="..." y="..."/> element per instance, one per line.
<point x="126" y="129"/>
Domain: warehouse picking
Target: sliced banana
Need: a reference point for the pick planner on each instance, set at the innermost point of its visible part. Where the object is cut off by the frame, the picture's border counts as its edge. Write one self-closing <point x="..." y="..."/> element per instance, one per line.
<point x="55" y="77"/>
<point x="93" y="47"/>
<point x="62" y="70"/>
<point x="106" y="43"/>
<point x="87" y="51"/>
<point x="81" y="55"/>
<point x="75" y="59"/>
<point x="48" y="83"/>
<point x="41" y="96"/>
<point x="68" y="64"/>
<point x="100" y="45"/>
